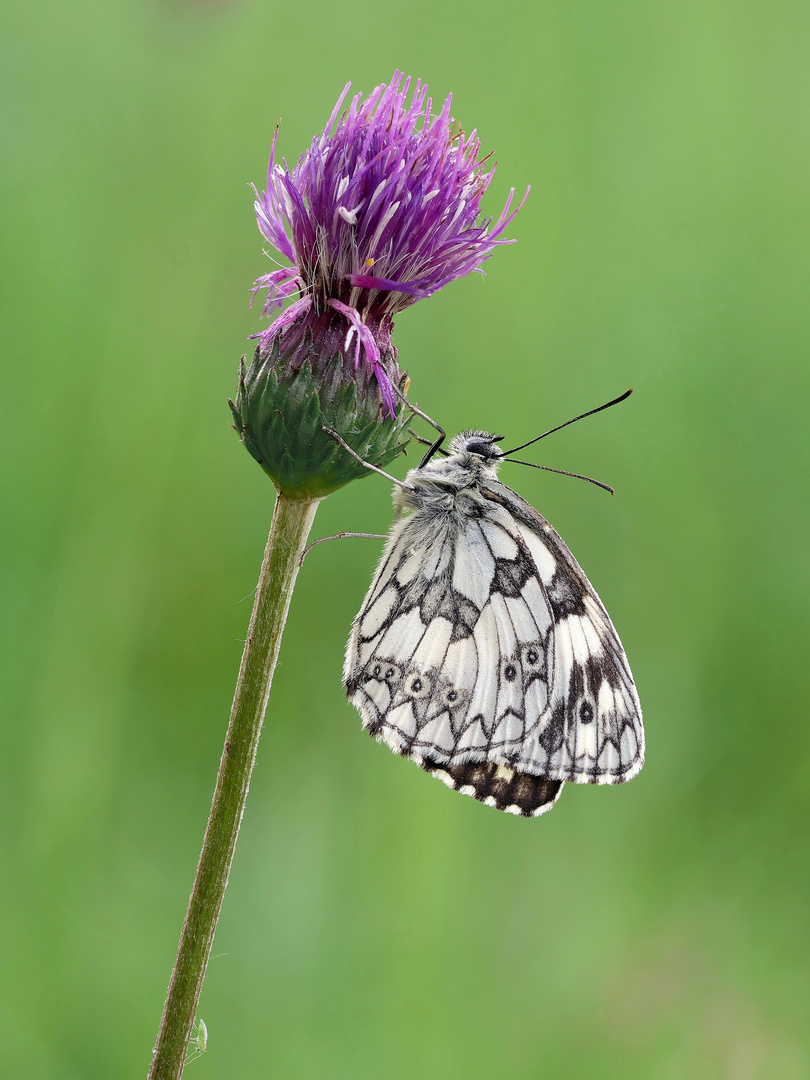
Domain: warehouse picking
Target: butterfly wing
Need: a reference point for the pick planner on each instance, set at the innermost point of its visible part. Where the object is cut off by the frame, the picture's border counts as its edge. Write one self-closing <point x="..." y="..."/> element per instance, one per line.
<point x="592" y="730"/>
<point x="477" y="652"/>
<point x="424" y="661"/>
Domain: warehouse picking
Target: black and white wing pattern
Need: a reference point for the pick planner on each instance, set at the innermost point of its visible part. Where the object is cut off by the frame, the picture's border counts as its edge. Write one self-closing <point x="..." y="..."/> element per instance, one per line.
<point x="483" y="653"/>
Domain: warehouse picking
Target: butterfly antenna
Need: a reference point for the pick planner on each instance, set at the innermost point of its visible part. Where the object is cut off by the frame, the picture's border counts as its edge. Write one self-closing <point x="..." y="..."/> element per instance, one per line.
<point x="432" y="447"/>
<point x="562" y="472"/>
<point x="551" y="431"/>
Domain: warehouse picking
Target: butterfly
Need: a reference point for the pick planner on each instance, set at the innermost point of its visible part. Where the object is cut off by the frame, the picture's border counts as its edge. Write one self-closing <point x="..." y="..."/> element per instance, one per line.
<point x="481" y="651"/>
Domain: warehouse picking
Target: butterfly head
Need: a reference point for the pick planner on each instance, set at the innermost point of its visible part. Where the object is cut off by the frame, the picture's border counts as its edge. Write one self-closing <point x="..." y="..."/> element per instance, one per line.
<point x="472" y="458"/>
<point x="480" y="443"/>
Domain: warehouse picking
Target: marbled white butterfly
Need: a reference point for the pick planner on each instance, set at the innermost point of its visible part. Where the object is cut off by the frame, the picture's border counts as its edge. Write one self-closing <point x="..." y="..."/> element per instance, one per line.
<point x="481" y="651"/>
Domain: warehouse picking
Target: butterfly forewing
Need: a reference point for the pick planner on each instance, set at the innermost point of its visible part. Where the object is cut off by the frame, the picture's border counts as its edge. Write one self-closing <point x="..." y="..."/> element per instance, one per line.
<point x="482" y="652"/>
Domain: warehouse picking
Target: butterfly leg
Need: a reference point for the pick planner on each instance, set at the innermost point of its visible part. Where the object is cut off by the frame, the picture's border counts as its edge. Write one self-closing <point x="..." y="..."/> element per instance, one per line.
<point x="431" y="450"/>
<point x="434" y="446"/>
<point x="340" y="536"/>
<point x="366" y="464"/>
<point x="426" y="442"/>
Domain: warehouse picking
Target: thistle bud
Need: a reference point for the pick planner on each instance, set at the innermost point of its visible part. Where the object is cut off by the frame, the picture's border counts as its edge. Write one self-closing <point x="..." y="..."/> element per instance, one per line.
<point x="282" y="408"/>
<point x="382" y="210"/>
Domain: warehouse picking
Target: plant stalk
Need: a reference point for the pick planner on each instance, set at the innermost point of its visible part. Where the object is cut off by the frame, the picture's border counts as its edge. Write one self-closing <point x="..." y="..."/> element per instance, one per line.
<point x="292" y="521"/>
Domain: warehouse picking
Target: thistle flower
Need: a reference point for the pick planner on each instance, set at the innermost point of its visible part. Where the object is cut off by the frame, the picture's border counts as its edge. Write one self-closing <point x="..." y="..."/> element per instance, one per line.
<point x="382" y="210"/>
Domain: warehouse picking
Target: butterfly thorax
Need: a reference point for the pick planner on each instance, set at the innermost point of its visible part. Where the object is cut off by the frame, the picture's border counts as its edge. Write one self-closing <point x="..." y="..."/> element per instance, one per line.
<point x="452" y="484"/>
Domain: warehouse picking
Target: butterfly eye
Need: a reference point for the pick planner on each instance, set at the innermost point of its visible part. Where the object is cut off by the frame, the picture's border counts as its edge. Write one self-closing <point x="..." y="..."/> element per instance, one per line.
<point x="586" y="712"/>
<point x="483" y="446"/>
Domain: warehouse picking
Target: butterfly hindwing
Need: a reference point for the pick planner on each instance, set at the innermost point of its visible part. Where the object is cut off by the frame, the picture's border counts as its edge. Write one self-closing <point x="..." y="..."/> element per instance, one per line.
<point x="593" y="730"/>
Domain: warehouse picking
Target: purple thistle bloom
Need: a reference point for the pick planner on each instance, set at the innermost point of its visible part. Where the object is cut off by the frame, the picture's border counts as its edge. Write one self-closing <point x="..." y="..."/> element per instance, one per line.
<point x="382" y="210"/>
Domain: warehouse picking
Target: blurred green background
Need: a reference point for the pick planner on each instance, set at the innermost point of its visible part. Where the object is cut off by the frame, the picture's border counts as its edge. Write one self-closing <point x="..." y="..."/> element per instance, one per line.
<point x="377" y="924"/>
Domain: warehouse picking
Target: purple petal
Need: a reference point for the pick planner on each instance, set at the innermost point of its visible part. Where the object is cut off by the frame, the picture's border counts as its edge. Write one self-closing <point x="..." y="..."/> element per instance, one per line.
<point x="280" y="285"/>
<point x="293" y="312"/>
<point x="368" y="281"/>
<point x="372" y="351"/>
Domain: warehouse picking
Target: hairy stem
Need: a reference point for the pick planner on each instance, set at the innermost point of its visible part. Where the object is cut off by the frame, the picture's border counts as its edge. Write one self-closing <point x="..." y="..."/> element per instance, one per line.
<point x="292" y="520"/>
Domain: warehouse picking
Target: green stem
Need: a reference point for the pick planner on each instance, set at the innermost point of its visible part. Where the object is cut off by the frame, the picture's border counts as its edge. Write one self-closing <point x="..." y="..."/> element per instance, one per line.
<point x="292" y="520"/>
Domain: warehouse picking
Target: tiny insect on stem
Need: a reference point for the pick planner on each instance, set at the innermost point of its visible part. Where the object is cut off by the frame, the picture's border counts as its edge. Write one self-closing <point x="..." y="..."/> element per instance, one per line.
<point x="198" y="1043"/>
